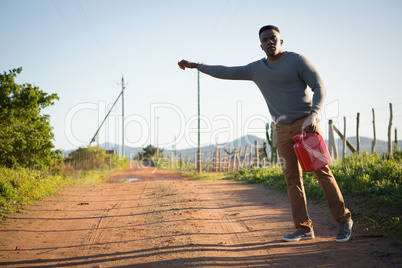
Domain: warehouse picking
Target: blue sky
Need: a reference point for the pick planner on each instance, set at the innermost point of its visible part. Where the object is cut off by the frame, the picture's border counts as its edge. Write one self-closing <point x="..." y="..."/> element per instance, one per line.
<point x="80" y="50"/>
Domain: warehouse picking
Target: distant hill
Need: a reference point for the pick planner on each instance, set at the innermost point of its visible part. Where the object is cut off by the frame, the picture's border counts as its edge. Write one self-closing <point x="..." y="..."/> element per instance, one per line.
<point x="190" y="153"/>
<point x="241" y="142"/>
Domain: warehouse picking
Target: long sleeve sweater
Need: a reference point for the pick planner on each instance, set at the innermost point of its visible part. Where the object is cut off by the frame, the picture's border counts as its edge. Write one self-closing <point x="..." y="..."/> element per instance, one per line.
<point x="283" y="84"/>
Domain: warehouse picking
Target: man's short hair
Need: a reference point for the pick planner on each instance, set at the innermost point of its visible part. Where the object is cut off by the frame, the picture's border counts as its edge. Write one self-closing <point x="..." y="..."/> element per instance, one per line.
<point x="268" y="27"/>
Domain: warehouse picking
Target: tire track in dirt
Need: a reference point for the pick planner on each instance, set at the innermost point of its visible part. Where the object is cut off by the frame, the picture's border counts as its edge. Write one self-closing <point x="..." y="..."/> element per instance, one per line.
<point x="244" y="232"/>
<point x="228" y="237"/>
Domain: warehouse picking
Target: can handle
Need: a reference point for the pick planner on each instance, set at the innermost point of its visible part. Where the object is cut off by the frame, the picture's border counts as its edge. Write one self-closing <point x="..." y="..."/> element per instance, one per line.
<point x="305" y="133"/>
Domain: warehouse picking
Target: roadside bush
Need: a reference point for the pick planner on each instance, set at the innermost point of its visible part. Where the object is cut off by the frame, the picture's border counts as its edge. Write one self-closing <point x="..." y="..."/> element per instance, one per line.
<point x="21" y="186"/>
<point x="93" y="158"/>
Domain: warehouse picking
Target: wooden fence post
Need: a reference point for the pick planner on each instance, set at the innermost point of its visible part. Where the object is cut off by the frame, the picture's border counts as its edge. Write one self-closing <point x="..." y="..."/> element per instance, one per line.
<point x="234" y="159"/>
<point x="389" y="129"/>
<point x="216" y="159"/>
<point x="225" y="160"/>
<point x="344" y="138"/>
<point x="333" y="149"/>
<point x="357" y="133"/>
<point x="230" y="159"/>
<point x="220" y="160"/>
<point x="225" y="153"/>
<point x="211" y="161"/>
<point x="239" y="159"/>
<point x="374" y="142"/>
<point x="348" y="143"/>
<point x="245" y="157"/>
<point x="250" y="159"/>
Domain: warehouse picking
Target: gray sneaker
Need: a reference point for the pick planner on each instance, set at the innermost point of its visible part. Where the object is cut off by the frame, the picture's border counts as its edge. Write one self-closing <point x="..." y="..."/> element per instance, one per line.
<point x="344" y="232"/>
<point x="298" y="235"/>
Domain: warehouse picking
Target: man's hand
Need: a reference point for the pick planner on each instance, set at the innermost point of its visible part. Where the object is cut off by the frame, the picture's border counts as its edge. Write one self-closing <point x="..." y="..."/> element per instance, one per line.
<point x="310" y="124"/>
<point x="183" y="64"/>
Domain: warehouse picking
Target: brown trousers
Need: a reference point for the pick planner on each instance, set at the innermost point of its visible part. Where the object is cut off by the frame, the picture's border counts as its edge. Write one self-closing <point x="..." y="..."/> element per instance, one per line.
<point x="294" y="179"/>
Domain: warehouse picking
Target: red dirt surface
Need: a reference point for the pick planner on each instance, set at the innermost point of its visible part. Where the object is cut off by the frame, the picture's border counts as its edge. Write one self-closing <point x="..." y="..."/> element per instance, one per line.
<point x="165" y="220"/>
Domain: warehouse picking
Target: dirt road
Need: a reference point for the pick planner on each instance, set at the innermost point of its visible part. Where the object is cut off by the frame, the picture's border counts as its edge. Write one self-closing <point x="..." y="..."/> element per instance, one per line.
<point x="162" y="220"/>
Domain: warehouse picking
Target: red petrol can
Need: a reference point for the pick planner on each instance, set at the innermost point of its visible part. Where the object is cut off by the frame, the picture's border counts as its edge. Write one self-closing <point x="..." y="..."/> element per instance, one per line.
<point x="311" y="152"/>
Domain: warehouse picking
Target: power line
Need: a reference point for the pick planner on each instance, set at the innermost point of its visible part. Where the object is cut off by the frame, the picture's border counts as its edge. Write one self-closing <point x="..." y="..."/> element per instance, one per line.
<point x="92" y="30"/>
<point x="78" y="38"/>
<point x="215" y="26"/>
<point x="217" y="40"/>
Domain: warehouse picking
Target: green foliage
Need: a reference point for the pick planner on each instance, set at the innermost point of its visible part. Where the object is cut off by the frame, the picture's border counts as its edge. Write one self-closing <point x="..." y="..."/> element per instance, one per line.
<point x="205" y="176"/>
<point x="87" y="158"/>
<point x="149" y="152"/>
<point x="20" y="186"/>
<point x="271" y="138"/>
<point x="91" y="176"/>
<point x="372" y="176"/>
<point x="94" y="158"/>
<point x="370" y="183"/>
<point x="262" y="152"/>
<point x="272" y="177"/>
<point x="25" y="134"/>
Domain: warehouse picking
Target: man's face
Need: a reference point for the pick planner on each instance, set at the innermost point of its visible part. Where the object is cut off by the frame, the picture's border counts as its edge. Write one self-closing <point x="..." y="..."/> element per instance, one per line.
<point x="271" y="42"/>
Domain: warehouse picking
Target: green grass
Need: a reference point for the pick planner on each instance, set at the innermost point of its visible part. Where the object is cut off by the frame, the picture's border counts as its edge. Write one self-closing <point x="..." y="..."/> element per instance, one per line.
<point x="87" y="177"/>
<point x="188" y="169"/>
<point x="23" y="186"/>
<point x="92" y="176"/>
<point x="370" y="183"/>
<point x="205" y="175"/>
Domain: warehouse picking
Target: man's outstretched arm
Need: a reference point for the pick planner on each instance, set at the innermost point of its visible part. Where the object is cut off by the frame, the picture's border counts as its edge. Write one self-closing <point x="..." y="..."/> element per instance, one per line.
<point x="219" y="71"/>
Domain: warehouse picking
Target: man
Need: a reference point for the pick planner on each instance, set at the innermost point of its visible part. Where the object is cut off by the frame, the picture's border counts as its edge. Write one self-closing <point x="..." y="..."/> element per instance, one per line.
<point x="283" y="79"/>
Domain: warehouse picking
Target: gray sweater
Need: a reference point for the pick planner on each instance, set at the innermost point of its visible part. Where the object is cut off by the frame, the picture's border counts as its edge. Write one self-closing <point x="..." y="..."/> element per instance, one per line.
<point x="283" y="84"/>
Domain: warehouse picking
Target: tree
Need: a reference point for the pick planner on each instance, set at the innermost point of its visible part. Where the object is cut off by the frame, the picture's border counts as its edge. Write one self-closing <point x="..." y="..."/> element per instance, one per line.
<point x="25" y="134"/>
<point x="149" y="152"/>
<point x="88" y="158"/>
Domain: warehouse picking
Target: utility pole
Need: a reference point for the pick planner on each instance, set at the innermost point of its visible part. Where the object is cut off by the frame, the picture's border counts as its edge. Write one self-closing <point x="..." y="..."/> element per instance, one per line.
<point x="199" y="137"/>
<point x="122" y="113"/>
<point x="97" y="131"/>
<point x="174" y="146"/>
<point x="389" y="129"/>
